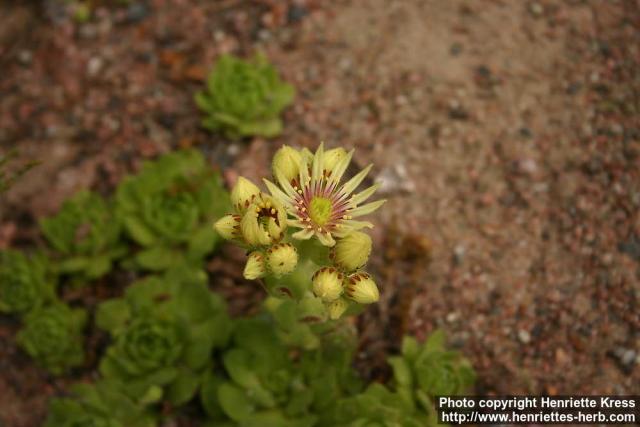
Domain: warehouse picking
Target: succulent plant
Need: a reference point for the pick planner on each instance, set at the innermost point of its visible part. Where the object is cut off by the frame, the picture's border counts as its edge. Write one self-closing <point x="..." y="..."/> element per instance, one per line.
<point x="431" y="368"/>
<point x="171" y="337"/>
<point x="24" y="282"/>
<point x="97" y="405"/>
<point x="52" y="336"/>
<point x="265" y="384"/>
<point x="86" y="234"/>
<point x="244" y="98"/>
<point x="377" y="406"/>
<point x="167" y="209"/>
<point x="163" y="332"/>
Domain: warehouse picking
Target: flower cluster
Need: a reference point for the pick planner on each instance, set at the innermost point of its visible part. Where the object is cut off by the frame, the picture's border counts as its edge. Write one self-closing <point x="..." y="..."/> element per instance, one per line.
<point x="305" y="227"/>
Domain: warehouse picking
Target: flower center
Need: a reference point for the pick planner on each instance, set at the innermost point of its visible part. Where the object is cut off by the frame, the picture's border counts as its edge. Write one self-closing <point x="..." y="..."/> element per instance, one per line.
<point x="320" y="210"/>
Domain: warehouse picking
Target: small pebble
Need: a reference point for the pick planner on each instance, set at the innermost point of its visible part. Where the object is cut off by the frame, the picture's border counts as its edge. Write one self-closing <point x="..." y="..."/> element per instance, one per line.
<point x="25" y="57"/>
<point x="458" y="254"/>
<point x="264" y="34"/>
<point x="94" y="66"/>
<point x="524" y="336"/>
<point x="536" y="9"/>
<point x="137" y="12"/>
<point x="455" y="49"/>
<point x="296" y="13"/>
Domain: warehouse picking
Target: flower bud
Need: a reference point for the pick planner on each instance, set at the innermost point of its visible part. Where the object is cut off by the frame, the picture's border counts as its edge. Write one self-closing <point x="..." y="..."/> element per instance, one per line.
<point x="352" y="252"/>
<point x="286" y="163"/>
<point x="337" y="308"/>
<point x="228" y="227"/>
<point x="332" y="157"/>
<point x="282" y="259"/>
<point x="264" y="221"/>
<point x="307" y="156"/>
<point x="255" y="267"/>
<point x="327" y="284"/>
<point x="243" y="194"/>
<point x="361" y="288"/>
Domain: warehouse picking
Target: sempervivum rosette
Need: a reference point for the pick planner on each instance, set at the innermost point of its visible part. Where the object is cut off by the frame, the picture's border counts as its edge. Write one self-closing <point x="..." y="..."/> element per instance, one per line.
<point x="164" y="330"/>
<point x="24" y="284"/>
<point x="165" y="209"/>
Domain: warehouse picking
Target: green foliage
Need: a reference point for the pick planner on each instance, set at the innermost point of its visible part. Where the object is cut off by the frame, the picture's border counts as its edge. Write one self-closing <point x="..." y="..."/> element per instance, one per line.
<point x="86" y="234"/>
<point x="422" y="372"/>
<point x="52" y="336"/>
<point x="244" y="98"/>
<point x="164" y="330"/>
<point x="97" y="405"/>
<point x="377" y="406"/>
<point x="168" y="210"/>
<point x="24" y="282"/>
<point x="265" y="383"/>
<point x="432" y="368"/>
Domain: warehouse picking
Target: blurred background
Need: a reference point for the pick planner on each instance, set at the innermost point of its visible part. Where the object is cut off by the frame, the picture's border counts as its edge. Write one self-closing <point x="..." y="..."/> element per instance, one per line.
<point x="506" y="136"/>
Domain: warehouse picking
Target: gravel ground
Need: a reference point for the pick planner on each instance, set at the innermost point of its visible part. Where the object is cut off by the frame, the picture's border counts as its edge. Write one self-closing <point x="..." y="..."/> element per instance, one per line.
<point x="506" y="135"/>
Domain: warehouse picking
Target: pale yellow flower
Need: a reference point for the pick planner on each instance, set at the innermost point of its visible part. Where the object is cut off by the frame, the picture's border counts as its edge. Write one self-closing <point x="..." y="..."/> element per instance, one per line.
<point x="318" y="204"/>
<point x="264" y="222"/>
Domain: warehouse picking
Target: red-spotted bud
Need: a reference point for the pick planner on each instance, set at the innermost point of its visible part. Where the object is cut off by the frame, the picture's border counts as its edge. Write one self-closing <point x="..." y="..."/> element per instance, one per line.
<point x="327" y="284"/>
<point x="282" y="259"/>
<point x="337" y="308"/>
<point x="361" y="288"/>
<point x="255" y="267"/>
<point x="243" y="193"/>
<point x="228" y="227"/>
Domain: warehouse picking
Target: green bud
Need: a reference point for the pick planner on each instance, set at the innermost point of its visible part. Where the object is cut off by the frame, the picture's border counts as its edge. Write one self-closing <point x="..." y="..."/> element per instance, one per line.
<point x="286" y="163"/>
<point x="327" y="284"/>
<point x="243" y="193"/>
<point x="255" y="267"/>
<point x="337" y="308"/>
<point x="264" y="222"/>
<point x="332" y="157"/>
<point x="228" y="227"/>
<point x="282" y="259"/>
<point x="352" y="252"/>
<point x="361" y="288"/>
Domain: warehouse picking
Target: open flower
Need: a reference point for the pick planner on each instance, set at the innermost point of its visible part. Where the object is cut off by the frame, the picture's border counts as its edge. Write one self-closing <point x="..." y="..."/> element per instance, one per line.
<point x="264" y="221"/>
<point x="318" y="203"/>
